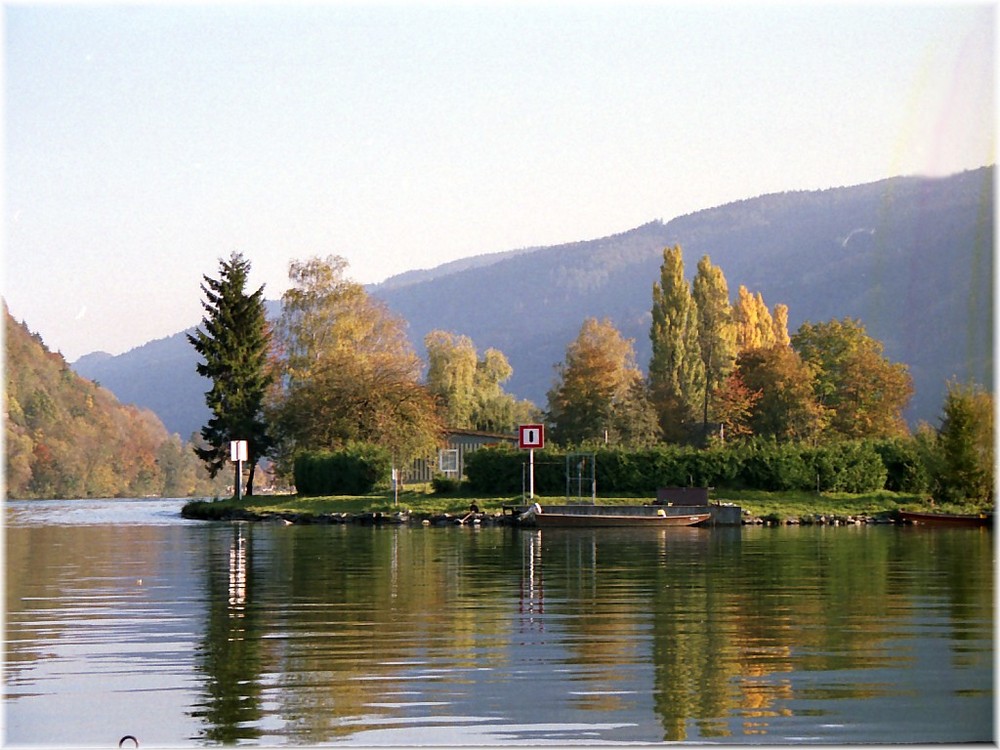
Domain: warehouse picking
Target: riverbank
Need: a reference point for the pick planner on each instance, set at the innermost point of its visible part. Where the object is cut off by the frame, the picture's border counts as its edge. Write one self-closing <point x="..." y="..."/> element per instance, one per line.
<point x="416" y="507"/>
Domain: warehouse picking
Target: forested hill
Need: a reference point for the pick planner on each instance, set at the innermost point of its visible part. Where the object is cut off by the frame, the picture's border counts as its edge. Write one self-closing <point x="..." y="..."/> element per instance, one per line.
<point x="69" y="437"/>
<point x="911" y="258"/>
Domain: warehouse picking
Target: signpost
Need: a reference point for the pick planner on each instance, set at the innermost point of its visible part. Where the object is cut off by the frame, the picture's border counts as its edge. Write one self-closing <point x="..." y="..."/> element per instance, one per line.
<point x="238" y="454"/>
<point x="531" y="436"/>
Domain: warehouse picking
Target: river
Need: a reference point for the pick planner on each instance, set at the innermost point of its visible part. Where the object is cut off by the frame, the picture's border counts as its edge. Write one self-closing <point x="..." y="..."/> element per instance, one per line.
<point x="124" y="619"/>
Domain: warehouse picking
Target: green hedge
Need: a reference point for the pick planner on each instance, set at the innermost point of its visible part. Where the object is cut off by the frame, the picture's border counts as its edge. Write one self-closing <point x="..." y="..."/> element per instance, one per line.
<point x="757" y="464"/>
<point x="356" y="470"/>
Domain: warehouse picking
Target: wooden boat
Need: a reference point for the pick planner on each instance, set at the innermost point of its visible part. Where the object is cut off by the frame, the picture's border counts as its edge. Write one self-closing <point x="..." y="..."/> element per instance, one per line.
<point x="946" y="519"/>
<point x="575" y="516"/>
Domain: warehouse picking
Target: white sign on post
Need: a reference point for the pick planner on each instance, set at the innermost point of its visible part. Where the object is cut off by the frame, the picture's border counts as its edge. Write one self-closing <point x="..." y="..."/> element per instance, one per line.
<point x="238" y="454"/>
<point x="238" y="450"/>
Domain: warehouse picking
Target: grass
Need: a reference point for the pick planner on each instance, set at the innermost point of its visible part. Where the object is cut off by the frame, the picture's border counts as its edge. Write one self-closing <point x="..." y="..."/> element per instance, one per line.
<point x="420" y="499"/>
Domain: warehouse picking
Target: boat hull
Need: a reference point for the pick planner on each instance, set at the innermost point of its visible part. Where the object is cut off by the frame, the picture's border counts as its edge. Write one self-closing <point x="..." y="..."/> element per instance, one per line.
<point x="946" y="519"/>
<point x="597" y="520"/>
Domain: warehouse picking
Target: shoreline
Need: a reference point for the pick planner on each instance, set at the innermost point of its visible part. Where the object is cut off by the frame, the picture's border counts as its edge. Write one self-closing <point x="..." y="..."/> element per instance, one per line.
<point x="507" y="516"/>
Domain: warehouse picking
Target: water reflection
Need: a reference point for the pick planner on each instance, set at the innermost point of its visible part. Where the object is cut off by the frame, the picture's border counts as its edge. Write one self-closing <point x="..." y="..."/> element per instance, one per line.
<point x="229" y="655"/>
<point x="313" y="635"/>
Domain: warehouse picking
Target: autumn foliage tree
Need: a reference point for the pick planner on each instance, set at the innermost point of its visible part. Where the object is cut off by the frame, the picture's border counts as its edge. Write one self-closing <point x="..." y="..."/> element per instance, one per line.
<point x="349" y="374"/>
<point x="785" y="406"/>
<point x="599" y="392"/>
<point x="863" y="392"/>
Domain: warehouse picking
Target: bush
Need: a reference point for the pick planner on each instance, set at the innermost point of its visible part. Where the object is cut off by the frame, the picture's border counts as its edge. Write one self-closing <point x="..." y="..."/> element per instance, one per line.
<point x="906" y="469"/>
<point x="758" y="464"/>
<point x="853" y="467"/>
<point x="768" y="465"/>
<point x="355" y="470"/>
<point x="443" y="485"/>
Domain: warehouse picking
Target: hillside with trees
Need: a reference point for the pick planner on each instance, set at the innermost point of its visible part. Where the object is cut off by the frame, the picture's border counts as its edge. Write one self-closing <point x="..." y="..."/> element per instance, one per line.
<point x="68" y="437"/>
<point x="909" y="258"/>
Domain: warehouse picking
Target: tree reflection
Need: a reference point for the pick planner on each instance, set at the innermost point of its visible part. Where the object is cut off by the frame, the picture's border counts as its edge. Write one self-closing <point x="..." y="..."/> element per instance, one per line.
<point x="230" y="651"/>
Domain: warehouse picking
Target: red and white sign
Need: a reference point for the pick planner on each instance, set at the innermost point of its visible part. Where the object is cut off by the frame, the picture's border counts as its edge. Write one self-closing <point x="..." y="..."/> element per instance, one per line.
<point x="531" y="436"/>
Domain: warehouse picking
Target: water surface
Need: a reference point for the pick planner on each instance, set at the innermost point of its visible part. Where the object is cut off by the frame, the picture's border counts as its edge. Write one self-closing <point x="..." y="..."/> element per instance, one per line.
<point x="123" y="618"/>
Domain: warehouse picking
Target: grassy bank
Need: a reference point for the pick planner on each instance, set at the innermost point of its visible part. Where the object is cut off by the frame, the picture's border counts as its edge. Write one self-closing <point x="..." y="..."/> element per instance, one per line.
<point x="784" y="505"/>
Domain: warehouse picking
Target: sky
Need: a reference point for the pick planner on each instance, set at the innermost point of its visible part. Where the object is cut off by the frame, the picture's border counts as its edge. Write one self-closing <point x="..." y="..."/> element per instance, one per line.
<point x="145" y="142"/>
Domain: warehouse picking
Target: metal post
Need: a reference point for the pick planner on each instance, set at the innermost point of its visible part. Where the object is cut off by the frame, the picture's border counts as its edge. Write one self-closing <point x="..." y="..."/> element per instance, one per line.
<point x="531" y="473"/>
<point x="239" y="479"/>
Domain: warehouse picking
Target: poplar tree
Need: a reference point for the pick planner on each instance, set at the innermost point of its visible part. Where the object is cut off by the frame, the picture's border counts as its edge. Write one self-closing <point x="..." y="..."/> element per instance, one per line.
<point x="233" y="341"/>
<point x="716" y="331"/>
<point x="676" y="369"/>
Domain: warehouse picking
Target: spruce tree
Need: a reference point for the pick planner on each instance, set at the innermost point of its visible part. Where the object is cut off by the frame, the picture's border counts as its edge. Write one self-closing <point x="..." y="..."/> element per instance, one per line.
<point x="233" y="341"/>
<point x="676" y="370"/>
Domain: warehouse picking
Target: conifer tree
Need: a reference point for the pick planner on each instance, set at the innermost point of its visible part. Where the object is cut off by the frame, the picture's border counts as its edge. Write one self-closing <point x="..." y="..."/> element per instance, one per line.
<point x="234" y="343"/>
<point x="676" y="369"/>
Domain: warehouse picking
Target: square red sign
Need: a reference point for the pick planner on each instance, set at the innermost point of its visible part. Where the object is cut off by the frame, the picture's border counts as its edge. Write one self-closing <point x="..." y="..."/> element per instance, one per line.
<point x="531" y="436"/>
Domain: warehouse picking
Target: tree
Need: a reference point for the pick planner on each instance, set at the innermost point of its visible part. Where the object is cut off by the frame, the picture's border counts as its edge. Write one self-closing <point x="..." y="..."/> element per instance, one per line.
<point x="469" y="388"/>
<point x="495" y="409"/>
<point x="733" y="404"/>
<point x="676" y="369"/>
<point x="597" y="379"/>
<point x="451" y="375"/>
<point x="965" y="446"/>
<point x="234" y="343"/>
<point x="786" y="408"/>
<point x="756" y="328"/>
<point x="780" y="325"/>
<point x="864" y="392"/>
<point x="716" y="331"/>
<point x="349" y="373"/>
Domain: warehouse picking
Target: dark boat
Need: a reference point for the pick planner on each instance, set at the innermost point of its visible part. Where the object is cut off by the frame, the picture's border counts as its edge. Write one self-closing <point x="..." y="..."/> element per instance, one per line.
<point x="591" y="516"/>
<point x="947" y="519"/>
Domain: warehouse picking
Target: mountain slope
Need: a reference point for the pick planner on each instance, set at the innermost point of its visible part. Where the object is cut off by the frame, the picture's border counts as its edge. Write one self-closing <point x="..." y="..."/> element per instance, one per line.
<point x="909" y="257"/>
<point x="68" y="437"/>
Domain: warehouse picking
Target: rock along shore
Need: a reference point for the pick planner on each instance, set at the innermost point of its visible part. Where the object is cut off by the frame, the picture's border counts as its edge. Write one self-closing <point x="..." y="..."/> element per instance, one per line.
<point x="508" y="517"/>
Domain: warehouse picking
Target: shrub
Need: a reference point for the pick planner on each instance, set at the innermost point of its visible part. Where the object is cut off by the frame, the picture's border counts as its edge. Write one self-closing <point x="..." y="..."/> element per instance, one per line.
<point x="355" y="470"/>
<point x="443" y="485"/>
<point x="847" y="467"/>
<point x="906" y="470"/>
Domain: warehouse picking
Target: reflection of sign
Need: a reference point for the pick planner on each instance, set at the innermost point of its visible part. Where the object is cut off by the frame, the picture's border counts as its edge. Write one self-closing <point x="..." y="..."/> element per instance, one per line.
<point x="531" y="436"/>
<point x="237" y="450"/>
<point x="448" y="460"/>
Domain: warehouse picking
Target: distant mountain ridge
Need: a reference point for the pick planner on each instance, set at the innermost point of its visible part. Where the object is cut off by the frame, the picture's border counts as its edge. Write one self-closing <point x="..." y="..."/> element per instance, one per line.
<point x="910" y="257"/>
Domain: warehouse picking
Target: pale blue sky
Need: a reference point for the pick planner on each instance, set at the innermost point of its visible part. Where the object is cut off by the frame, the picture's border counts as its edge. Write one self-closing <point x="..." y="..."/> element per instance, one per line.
<point x="143" y="142"/>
